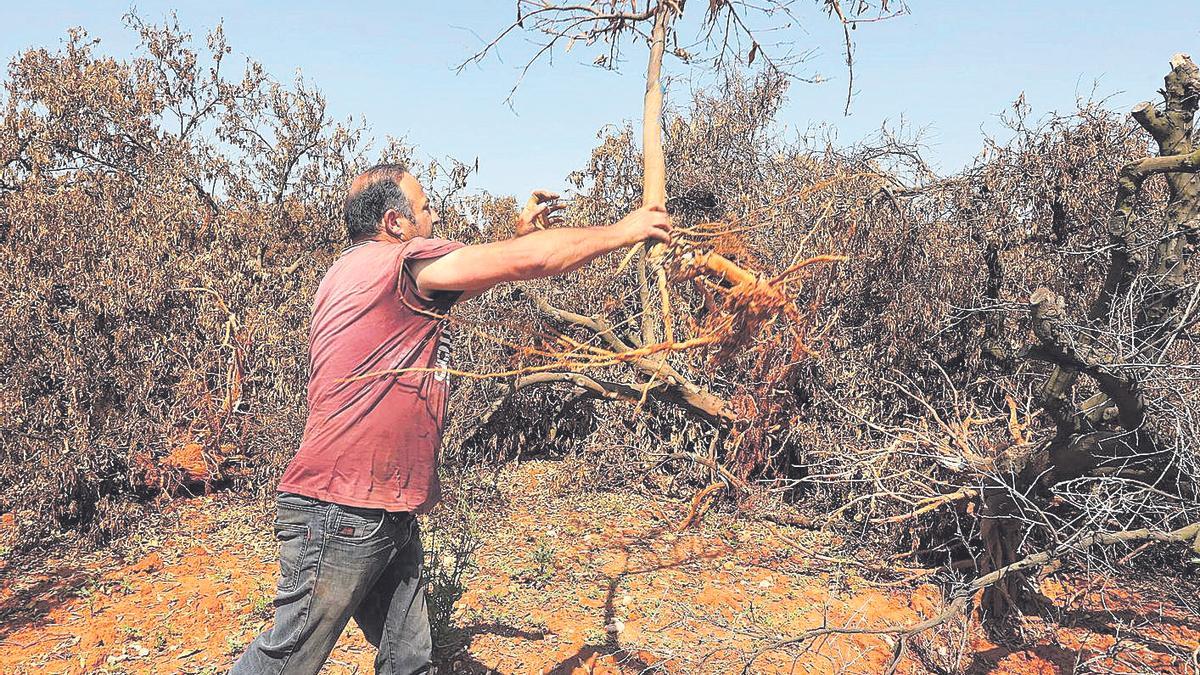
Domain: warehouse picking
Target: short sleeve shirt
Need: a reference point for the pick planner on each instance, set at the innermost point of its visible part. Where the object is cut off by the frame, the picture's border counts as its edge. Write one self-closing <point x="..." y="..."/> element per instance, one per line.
<point x="377" y="388"/>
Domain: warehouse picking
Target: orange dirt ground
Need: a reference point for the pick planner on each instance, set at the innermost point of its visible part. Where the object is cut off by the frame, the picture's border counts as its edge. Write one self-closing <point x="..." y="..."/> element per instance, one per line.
<point x="564" y="583"/>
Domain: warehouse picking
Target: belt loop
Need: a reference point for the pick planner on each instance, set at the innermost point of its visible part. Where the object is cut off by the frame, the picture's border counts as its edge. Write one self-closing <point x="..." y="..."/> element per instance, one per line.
<point x="331" y="515"/>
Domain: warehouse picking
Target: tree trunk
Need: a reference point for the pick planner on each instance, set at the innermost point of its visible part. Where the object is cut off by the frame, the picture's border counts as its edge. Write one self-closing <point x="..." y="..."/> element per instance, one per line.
<point x="654" y="163"/>
<point x="1105" y="431"/>
<point x="654" y="184"/>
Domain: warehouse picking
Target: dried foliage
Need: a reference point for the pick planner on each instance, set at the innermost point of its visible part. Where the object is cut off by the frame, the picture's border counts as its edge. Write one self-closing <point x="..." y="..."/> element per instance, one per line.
<point x="929" y="393"/>
<point x="1001" y="372"/>
<point x="165" y="225"/>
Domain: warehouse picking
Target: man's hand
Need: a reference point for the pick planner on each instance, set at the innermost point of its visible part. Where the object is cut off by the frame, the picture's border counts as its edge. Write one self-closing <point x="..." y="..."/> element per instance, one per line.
<point x="648" y="222"/>
<point x="539" y="213"/>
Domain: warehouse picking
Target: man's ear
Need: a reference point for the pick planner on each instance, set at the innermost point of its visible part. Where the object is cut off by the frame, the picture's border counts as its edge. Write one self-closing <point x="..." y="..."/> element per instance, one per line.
<point x="396" y="225"/>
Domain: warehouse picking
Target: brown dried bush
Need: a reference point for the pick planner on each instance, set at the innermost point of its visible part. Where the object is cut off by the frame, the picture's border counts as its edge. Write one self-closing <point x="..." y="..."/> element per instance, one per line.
<point x="166" y="222"/>
<point x="165" y="226"/>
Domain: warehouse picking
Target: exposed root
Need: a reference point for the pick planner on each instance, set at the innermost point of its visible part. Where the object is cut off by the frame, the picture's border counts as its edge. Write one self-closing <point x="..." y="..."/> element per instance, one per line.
<point x="700" y="505"/>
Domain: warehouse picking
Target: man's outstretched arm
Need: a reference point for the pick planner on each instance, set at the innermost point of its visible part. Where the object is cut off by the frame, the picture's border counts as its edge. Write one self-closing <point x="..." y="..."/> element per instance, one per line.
<point x="545" y="253"/>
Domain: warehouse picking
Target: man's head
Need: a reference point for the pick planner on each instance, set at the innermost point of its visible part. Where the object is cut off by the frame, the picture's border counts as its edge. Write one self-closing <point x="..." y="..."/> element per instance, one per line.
<point x="387" y="203"/>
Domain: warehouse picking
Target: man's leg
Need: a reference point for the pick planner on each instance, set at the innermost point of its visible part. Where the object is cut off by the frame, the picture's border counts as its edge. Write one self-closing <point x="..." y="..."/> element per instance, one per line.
<point x="330" y="556"/>
<point x="393" y="615"/>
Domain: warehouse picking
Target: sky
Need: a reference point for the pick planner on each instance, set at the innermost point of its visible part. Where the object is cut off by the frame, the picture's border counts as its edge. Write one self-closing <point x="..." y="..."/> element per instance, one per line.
<point x="945" y="69"/>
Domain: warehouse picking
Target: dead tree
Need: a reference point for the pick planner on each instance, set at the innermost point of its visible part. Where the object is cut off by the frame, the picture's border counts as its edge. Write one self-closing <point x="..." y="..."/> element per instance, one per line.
<point x="1118" y="346"/>
<point x="1102" y="465"/>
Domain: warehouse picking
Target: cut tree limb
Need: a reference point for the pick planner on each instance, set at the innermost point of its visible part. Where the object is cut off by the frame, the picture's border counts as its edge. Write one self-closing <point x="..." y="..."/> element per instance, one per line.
<point x="654" y="163"/>
<point x="598" y="388"/>
<point x="654" y="176"/>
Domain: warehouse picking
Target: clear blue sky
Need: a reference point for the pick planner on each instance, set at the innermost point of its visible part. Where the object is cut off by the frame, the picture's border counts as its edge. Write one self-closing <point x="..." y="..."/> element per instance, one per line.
<point x="947" y="68"/>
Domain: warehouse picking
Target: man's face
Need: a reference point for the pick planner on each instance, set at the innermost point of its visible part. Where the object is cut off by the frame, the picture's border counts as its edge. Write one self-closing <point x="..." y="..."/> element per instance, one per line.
<point x="424" y="217"/>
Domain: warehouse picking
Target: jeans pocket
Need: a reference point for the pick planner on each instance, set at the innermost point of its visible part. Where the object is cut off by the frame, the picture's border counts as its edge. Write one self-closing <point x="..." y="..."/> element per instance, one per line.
<point x="355" y="525"/>
<point x="293" y="544"/>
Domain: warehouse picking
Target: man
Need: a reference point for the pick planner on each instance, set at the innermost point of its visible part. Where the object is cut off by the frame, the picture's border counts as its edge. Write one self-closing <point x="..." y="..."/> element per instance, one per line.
<point x="349" y="545"/>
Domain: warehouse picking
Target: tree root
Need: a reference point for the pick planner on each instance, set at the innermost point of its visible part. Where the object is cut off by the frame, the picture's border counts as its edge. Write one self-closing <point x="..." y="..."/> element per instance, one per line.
<point x="700" y="505"/>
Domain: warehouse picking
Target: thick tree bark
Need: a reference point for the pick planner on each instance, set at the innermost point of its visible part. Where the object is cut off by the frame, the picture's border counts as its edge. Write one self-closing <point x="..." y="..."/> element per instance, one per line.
<point x="1174" y="131"/>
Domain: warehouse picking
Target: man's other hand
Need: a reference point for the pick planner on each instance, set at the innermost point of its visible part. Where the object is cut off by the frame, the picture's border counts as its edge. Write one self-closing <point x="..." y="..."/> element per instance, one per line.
<point x="539" y="213"/>
<point x="646" y="223"/>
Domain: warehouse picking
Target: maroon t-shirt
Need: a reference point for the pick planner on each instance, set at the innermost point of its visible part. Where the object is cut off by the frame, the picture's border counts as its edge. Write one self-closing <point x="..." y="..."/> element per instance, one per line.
<point x="373" y="442"/>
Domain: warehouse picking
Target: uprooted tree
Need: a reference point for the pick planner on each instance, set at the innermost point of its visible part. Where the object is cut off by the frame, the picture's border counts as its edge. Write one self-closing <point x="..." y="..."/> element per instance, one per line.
<point x="733" y="308"/>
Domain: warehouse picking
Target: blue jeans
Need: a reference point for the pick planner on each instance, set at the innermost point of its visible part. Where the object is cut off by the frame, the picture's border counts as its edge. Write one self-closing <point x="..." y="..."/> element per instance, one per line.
<point x="337" y="562"/>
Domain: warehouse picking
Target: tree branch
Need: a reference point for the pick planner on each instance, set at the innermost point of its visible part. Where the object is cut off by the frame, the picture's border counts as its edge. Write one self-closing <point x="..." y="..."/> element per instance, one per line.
<point x="1057" y="347"/>
<point x="677" y="388"/>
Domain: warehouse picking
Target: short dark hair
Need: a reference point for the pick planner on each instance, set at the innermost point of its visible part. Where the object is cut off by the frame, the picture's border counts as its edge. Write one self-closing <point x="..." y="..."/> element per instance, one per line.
<point x="372" y="194"/>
